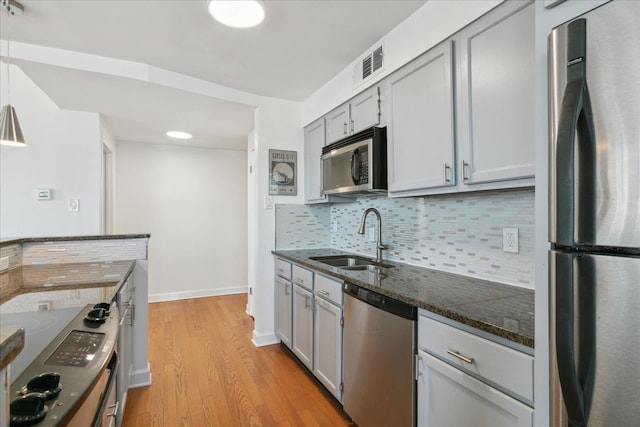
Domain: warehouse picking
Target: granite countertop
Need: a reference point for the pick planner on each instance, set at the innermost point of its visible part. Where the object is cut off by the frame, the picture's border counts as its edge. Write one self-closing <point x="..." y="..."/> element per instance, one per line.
<point x="54" y="283"/>
<point x="502" y="310"/>
<point x="12" y="241"/>
<point x="11" y="344"/>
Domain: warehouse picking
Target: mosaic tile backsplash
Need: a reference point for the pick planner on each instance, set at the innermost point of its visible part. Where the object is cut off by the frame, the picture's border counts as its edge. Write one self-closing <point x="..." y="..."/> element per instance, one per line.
<point x="459" y="233"/>
<point x="60" y="252"/>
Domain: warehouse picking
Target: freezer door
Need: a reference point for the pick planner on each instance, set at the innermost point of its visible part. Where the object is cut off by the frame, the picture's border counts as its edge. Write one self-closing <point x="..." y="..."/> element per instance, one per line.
<point x="594" y="93"/>
<point x="595" y="339"/>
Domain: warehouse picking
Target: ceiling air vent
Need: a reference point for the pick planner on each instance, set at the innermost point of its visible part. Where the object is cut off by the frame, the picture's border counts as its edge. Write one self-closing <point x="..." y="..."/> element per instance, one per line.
<point x="377" y="59"/>
<point x="368" y="66"/>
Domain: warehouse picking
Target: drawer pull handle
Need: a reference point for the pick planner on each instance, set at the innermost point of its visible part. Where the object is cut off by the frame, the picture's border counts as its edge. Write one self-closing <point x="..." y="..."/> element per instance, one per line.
<point x="457" y="355"/>
<point x="298" y="281"/>
<point x="323" y="292"/>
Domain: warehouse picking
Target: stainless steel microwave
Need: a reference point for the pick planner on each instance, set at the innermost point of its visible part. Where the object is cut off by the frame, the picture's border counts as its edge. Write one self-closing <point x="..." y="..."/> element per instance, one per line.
<point x="356" y="164"/>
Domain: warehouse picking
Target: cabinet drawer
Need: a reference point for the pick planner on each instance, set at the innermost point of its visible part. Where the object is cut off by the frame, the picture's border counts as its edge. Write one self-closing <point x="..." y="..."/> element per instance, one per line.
<point x="501" y="365"/>
<point x="283" y="268"/>
<point x="328" y="288"/>
<point x="302" y="277"/>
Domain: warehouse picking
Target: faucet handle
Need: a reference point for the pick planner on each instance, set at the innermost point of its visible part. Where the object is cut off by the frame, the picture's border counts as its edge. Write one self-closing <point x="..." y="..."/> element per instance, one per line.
<point x="381" y="246"/>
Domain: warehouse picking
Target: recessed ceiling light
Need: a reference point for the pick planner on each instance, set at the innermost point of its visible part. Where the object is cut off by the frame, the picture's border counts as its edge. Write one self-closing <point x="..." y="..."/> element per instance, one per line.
<point x="237" y="13"/>
<point x="178" y="134"/>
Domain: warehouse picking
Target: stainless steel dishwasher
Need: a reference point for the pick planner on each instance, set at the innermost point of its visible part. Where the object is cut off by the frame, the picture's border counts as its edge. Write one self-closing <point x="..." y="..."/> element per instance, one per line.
<point x="378" y="364"/>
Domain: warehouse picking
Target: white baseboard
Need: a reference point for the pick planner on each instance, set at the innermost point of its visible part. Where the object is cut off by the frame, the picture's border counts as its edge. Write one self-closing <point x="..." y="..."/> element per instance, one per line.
<point x="140" y="377"/>
<point x="264" y="339"/>
<point x="174" y="296"/>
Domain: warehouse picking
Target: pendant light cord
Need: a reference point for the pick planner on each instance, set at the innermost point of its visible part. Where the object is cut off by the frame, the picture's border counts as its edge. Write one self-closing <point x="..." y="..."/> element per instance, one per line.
<point x="8" y="52"/>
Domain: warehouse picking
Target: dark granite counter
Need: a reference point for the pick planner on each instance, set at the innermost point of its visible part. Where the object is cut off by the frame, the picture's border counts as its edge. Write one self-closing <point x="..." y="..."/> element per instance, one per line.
<point x="11" y="344"/>
<point x="502" y="310"/>
<point x="13" y="241"/>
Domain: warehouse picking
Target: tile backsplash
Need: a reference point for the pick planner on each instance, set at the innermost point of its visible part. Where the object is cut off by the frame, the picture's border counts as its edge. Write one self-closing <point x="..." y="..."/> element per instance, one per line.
<point x="459" y="233"/>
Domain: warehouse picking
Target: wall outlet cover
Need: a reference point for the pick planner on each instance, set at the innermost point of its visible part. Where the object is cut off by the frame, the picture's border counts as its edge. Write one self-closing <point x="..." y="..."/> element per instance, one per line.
<point x="510" y="240"/>
<point x="4" y="263"/>
<point x="372" y="234"/>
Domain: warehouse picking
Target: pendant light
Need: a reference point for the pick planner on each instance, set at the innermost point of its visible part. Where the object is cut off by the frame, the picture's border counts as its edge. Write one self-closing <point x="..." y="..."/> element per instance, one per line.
<point x="10" y="132"/>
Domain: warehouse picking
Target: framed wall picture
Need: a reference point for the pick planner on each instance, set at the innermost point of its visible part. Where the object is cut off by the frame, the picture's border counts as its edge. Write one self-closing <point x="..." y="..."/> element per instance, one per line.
<point x="283" y="178"/>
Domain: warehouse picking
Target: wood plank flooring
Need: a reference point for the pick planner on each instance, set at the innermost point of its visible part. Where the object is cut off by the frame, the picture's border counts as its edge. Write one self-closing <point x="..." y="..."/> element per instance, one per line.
<point x="207" y="372"/>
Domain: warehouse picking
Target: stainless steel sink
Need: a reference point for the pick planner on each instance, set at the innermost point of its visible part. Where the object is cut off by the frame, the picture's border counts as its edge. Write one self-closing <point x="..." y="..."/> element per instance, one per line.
<point x="351" y="262"/>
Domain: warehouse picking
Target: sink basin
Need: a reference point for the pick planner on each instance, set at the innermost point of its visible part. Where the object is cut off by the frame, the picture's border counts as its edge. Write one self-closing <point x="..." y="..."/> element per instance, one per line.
<point x="351" y="262"/>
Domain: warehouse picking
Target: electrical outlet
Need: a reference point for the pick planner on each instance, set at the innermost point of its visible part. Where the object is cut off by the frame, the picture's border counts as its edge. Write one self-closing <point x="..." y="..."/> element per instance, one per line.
<point x="510" y="240"/>
<point x="334" y="226"/>
<point x="372" y="234"/>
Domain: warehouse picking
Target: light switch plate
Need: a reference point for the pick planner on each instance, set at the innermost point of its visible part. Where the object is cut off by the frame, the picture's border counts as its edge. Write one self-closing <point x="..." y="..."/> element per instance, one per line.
<point x="268" y="202"/>
<point x="74" y="205"/>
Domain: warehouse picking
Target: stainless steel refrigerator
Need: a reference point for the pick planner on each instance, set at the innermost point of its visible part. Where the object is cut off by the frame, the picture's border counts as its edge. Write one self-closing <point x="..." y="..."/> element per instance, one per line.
<point x="594" y="89"/>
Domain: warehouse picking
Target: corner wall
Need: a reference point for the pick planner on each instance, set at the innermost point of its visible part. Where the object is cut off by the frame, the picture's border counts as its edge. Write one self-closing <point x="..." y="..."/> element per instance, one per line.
<point x="63" y="153"/>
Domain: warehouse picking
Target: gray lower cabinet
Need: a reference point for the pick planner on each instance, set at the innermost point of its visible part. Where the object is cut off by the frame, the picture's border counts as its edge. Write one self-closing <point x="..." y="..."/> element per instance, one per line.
<point x="464" y="379"/>
<point x="495" y="95"/>
<point x="421" y="144"/>
<point x="327" y="337"/>
<point x="126" y="306"/>
<point x="308" y="320"/>
<point x="302" y="342"/>
<point x="449" y="397"/>
<point x="284" y="299"/>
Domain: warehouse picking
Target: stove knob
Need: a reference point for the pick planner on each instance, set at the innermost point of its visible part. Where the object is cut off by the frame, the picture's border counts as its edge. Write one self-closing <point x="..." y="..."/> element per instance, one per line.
<point x="27" y="410"/>
<point x="47" y="383"/>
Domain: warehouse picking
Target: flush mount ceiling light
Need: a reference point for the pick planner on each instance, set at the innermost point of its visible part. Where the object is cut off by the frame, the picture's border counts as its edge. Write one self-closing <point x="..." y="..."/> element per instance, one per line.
<point x="10" y="132"/>
<point x="178" y="134"/>
<point x="237" y="13"/>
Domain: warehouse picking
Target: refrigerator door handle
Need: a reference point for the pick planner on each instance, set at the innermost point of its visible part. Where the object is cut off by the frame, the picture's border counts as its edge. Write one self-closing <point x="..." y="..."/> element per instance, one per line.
<point x="576" y="379"/>
<point x="576" y="116"/>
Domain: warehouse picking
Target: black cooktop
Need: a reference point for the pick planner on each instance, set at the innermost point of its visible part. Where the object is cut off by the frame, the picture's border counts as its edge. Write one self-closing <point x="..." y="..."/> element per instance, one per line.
<point x="50" y="391"/>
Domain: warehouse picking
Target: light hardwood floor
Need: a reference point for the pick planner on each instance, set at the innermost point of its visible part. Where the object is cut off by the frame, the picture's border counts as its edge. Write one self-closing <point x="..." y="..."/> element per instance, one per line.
<point x="207" y="372"/>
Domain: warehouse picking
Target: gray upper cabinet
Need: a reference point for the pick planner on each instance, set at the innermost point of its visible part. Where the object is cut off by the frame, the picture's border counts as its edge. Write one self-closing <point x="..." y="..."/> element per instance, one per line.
<point x="313" y="143"/>
<point x="360" y="113"/>
<point x="337" y="123"/>
<point x="365" y="110"/>
<point x="421" y="144"/>
<point x="495" y="96"/>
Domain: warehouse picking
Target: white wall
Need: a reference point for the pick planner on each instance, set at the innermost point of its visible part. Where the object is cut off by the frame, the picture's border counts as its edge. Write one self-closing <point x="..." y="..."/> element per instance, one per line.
<point x="429" y="25"/>
<point x="278" y="126"/>
<point x="63" y="153"/>
<point x="193" y="201"/>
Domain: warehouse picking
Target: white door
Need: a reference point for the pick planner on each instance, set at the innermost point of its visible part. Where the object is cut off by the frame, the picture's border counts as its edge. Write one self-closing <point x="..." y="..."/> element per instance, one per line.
<point x="365" y="110"/>
<point x="314" y="135"/>
<point x="337" y="123"/>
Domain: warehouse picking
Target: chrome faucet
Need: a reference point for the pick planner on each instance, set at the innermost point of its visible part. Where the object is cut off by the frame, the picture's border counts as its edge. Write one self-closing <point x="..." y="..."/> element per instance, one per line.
<point x="380" y="247"/>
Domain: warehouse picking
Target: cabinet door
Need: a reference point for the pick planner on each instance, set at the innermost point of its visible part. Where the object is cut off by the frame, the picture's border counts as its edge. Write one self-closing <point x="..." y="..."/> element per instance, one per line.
<point x="327" y="343"/>
<point x="496" y="95"/>
<point x="125" y="345"/>
<point x="449" y="397"/>
<point x="365" y="110"/>
<point x="302" y="343"/>
<point x="421" y="134"/>
<point x="337" y="124"/>
<point x="283" y="310"/>
<point x="313" y="142"/>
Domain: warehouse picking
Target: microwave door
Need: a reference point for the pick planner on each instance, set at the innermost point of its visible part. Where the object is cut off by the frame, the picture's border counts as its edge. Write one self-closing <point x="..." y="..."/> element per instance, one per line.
<point x="343" y="169"/>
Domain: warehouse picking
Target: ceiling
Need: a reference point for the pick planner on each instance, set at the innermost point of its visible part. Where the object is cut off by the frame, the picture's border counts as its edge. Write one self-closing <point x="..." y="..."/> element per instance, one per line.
<point x="299" y="47"/>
